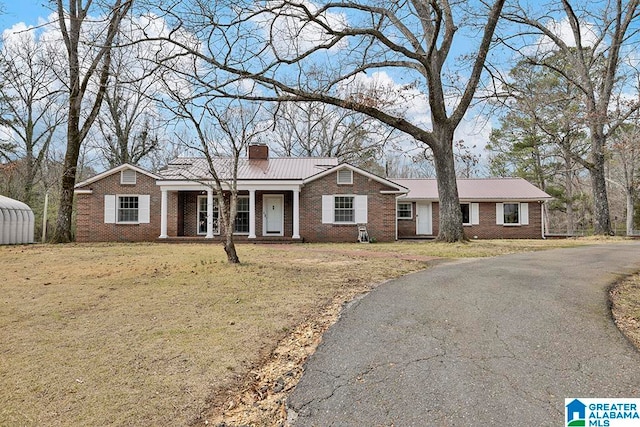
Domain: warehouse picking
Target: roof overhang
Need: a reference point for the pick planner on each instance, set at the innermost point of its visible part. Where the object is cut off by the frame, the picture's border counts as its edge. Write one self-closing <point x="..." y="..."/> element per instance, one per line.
<point x="242" y="185"/>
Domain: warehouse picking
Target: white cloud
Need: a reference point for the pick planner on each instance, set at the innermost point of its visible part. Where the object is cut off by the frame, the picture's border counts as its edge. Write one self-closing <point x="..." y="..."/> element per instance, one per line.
<point x="292" y="33"/>
<point x="562" y="29"/>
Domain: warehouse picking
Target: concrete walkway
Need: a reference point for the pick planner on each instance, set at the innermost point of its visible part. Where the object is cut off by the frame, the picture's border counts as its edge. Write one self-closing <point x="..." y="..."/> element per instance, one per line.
<point x="500" y="341"/>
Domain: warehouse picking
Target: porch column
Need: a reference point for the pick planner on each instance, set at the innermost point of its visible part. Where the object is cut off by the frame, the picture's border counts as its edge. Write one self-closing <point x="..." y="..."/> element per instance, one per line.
<point x="296" y="214"/>
<point x="209" y="214"/>
<point x="163" y="215"/>
<point x="252" y="214"/>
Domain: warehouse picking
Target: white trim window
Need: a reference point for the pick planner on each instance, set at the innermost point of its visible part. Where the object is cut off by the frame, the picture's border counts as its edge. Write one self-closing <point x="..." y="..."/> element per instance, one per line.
<point x="241" y="224"/>
<point x="512" y="213"/>
<point x="405" y="210"/>
<point x="202" y="215"/>
<point x="126" y="209"/>
<point x="128" y="177"/>
<point x="344" y="209"/>
<point x="470" y="213"/>
<point x="345" y="177"/>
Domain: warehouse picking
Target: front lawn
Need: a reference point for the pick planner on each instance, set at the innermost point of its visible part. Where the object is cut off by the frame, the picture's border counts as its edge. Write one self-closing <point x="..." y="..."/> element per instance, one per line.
<point x="155" y="334"/>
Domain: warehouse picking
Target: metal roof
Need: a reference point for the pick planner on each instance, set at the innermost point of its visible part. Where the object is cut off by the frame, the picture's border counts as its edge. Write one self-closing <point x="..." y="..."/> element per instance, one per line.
<point x="12" y="204"/>
<point x="277" y="168"/>
<point x="476" y="189"/>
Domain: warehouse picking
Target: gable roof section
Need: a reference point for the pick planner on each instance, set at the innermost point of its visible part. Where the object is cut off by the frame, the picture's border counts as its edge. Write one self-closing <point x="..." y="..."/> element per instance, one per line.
<point x="489" y="189"/>
<point x="277" y="168"/>
<point x="399" y="188"/>
<point x="115" y="170"/>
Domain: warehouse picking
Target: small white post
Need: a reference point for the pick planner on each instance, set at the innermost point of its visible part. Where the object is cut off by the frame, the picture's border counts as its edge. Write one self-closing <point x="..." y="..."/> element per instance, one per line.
<point x="44" y="217"/>
<point x="296" y="214"/>
<point x="252" y="214"/>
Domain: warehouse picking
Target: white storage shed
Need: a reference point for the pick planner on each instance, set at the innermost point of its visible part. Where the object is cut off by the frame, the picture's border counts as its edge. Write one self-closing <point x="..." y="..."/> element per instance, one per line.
<point x="16" y="222"/>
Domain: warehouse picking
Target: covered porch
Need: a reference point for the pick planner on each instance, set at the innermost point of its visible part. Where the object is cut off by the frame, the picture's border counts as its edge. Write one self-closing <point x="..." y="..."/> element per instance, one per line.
<point x="265" y="213"/>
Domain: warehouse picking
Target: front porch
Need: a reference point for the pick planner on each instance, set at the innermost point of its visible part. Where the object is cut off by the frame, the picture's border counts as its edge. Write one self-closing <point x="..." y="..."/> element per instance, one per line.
<point x="264" y="215"/>
<point x="236" y="239"/>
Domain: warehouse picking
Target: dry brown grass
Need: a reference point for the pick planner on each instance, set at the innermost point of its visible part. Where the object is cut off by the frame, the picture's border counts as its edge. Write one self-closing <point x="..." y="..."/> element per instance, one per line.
<point x="143" y="334"/>
<point x="625" y="301"/>
<point x="152" y="334"/>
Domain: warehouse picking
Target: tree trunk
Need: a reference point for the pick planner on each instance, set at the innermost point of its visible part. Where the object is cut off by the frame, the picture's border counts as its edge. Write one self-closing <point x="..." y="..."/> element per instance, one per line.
<point x="230" y="249"/>
<point x="62" y="233"/>
<point x="602" y="219"/>
<point x="630" y="210"/>
<point x="450" y="215"/>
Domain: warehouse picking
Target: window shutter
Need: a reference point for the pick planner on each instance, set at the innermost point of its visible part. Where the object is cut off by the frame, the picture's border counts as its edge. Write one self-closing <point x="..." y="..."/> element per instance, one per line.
<point x="475" y="213"/>
<point x="327" y="209"/>
<point x="360" y="205"/>
<point x="143" y="209"/>
<point x="524" y="213"/>
<point x="499" y="214"/>
<point x="109" y="209"/>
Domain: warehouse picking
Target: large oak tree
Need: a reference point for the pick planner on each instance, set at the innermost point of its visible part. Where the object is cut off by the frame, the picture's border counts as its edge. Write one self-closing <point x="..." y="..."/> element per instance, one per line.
<point x="301" y="51"/>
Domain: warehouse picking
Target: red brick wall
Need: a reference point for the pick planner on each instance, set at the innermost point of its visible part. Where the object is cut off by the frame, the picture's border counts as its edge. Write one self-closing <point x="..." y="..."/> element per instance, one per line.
<point x="487" y="229"/>
<point x="90" y="226"/>
<point x="381" y="215"/>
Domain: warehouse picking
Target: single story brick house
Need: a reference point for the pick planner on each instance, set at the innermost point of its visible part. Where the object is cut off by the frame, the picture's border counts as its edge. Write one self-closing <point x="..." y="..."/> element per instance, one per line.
<point x="492" y="208"/>
<point x="292" y="199"/>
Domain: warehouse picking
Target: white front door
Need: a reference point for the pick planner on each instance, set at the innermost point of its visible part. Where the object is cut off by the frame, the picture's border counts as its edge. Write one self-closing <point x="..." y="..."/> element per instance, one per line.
<point x="423" y="219"/>
<point x="273" y="209"/>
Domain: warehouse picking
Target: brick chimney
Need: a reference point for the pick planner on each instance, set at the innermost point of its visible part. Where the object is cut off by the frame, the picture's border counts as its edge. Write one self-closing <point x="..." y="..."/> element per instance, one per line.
<point x="258" y="152"/>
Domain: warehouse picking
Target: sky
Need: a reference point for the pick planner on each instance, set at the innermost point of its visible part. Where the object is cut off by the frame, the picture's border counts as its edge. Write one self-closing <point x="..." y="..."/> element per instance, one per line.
<point x="27" y="11"/>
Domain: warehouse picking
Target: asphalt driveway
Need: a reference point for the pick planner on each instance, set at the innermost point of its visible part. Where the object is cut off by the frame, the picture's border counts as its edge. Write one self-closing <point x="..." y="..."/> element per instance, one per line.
<point x="500" y="341"/>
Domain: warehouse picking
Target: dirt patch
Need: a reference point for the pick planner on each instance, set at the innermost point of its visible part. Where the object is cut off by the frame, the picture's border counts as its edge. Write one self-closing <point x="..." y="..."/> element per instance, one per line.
<point x="261" y="400"/>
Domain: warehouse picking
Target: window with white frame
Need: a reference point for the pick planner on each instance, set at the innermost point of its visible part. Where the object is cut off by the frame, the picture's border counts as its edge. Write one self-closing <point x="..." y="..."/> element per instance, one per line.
<point x="127" y="209"/>
<point x="345" y="176"/>
<point x="128" y="176"/>
<point x="344" y="209"/>
<point x="512" y="213"/>
<point x="242" y="217"/>
<point x="202" y="215"/>
<point x="405" y="210"/>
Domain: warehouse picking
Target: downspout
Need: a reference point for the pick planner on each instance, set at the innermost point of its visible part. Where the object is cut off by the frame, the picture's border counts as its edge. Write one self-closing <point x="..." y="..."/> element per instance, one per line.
<point x="396" y="209"/>
<point x="544" y="237"/>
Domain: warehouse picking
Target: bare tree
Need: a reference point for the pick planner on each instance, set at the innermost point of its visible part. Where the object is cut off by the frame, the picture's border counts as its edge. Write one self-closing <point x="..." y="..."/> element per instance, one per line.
<point x="88" y="65"/>
<point x="30" y="107"/>
<point x="297" y="51"/>
<point x="323" y="130"/>
<point x="593" y="52"/>
<point x="223" y="132"/>
<point x="625" y="149"/>
<point x="130" y="126"/>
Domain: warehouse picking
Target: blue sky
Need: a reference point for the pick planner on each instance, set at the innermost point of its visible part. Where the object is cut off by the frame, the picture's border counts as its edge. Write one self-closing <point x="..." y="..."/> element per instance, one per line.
<point x="27" y="11"/>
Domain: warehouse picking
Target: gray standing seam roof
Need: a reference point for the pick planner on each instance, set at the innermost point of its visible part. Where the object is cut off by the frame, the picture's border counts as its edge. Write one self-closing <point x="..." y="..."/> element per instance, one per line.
<point x="279" y="168"/>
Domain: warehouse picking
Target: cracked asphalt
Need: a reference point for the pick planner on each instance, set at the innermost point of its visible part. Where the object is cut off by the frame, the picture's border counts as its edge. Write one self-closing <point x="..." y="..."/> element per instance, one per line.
<point x="498" y="341"/>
